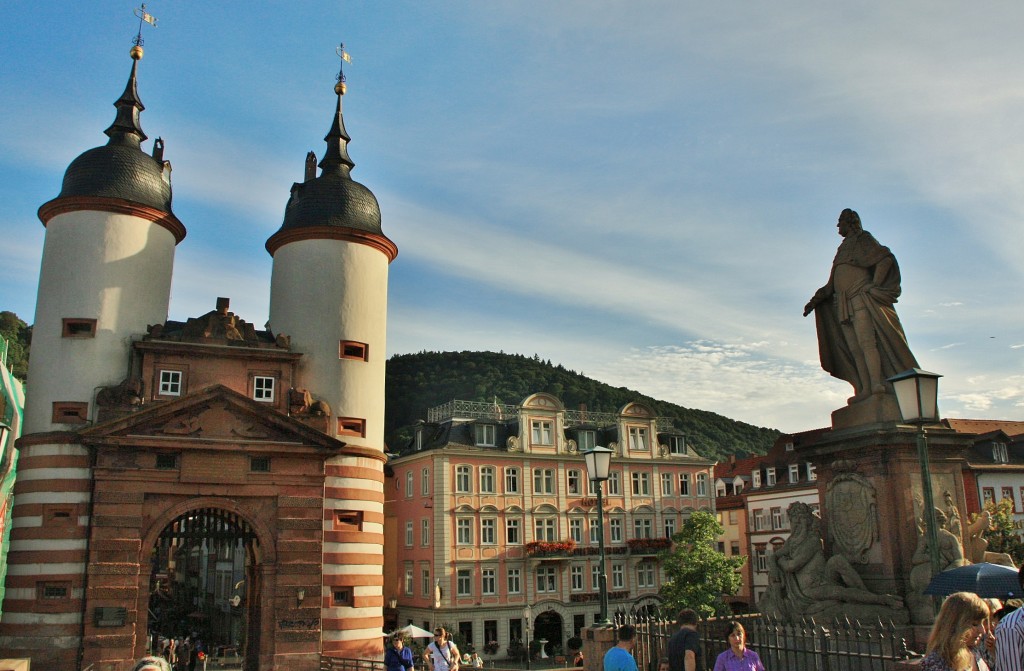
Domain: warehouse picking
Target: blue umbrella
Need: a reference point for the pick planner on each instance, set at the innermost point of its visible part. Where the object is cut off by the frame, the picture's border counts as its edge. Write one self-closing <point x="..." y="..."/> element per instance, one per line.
<point x="989" y="581"/>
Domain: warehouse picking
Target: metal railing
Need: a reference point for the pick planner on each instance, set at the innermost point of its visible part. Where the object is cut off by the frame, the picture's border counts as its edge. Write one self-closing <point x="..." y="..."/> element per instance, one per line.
<point x="841" y="645"/>
<point x="501" y="411"/>
<point x="345" y="664"/>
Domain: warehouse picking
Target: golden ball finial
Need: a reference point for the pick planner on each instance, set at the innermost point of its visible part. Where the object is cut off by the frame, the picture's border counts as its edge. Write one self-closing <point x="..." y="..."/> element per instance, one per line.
<point x="136" y="53"/>
<point x="340" y="88"/>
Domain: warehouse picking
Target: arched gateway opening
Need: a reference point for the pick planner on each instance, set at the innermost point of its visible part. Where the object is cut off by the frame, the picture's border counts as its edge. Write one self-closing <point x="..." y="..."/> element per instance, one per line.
<point x="205" y="583"/>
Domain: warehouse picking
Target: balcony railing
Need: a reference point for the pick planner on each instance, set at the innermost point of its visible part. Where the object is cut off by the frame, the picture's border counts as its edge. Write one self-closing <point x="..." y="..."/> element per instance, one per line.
<point x="648" y="546"/>
<point x="542" y="549"/>
<point x="458" y="409"/>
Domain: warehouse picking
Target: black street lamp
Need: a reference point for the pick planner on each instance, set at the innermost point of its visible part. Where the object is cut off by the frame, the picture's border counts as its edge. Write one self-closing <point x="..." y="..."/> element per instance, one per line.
<point x="917" y="393"/>
<point x="598" y="460"/>
<point x="527" y="614"/>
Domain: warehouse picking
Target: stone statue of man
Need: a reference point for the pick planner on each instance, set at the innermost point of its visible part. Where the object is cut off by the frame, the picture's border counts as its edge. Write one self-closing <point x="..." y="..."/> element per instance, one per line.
<point x="860" y="338"/>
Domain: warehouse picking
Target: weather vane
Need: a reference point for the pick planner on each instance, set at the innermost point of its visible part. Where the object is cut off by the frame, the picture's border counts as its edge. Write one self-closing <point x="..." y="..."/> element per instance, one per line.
<point x="340" y="87"/>
<point x="146" y="17"/>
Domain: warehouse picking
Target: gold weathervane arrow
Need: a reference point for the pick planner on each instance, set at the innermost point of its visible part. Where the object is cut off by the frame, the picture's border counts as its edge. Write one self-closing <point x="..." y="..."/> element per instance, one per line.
<point x="340" y="87"/>
<point x="144" y="17"/>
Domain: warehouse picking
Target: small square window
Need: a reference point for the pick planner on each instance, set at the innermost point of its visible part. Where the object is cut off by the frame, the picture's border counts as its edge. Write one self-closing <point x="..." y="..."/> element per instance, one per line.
<point x="170" y="383"/>
<point x="351" y="426"/>
<point x="59" y="515"/>
<point x="350" y="349"/>
<point x="341" y="596"/>
<point x="53" y="590"/>
<point x="263" y="389"/>
<point x="70" y="412"/>
<point x="166" y="461"/>
<point x="73" y="327"/>
<point x="348" y="520"/>
<point x="259" y="464"/>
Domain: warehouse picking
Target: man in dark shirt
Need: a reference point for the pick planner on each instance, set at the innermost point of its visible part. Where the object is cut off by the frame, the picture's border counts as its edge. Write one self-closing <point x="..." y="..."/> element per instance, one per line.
<point x="684" y="646"/>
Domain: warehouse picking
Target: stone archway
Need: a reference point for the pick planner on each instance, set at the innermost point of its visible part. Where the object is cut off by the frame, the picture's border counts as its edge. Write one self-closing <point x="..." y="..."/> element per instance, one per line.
<point x="205" y="582"/>
<point x="548" y="626"/>
<point x="204" y="568"/>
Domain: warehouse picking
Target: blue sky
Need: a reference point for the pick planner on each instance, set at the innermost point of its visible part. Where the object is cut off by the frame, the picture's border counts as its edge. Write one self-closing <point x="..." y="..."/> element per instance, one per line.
<point x="645" y="192"/>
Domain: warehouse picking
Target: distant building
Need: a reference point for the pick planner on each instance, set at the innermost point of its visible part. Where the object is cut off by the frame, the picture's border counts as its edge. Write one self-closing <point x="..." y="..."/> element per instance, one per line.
<point x="490" y="510"/>
<point x="995" y="465"/>
<point x="732" y="515"/>
<point x="767" y="485"/>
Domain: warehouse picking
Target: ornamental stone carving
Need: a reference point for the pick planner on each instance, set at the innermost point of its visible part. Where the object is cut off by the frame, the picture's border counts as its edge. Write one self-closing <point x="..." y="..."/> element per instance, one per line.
<point x="852" y="513"/>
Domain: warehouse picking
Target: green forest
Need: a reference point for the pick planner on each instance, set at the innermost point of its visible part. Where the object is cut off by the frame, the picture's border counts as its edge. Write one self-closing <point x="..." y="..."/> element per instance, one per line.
<point x="18" y="334"/>
<point x="416" y="382"/>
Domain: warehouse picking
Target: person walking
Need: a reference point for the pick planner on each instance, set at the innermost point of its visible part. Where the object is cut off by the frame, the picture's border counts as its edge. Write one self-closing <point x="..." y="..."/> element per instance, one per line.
<point x="1010" y="637"/>
<point x="620" y="656"/>
<point x="958" y="628"/>
<point x="684" y="646"/>
<point x="738" y="657"/>
<point x="442" y="654"/>
<point x="398" y="657"/>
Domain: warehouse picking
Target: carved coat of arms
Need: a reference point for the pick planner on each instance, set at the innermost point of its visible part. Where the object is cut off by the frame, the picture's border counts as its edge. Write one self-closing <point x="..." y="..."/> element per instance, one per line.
<point x="852" y="515"/>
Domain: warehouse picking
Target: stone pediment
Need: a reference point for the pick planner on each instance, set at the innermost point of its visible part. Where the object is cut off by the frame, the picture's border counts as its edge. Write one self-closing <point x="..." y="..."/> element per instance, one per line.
<point x="217" y="327"/>
<point x="215" y="414"/>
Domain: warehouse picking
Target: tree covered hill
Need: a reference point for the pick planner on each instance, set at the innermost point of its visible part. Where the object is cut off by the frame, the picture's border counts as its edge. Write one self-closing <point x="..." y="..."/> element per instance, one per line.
<point x="18" y="335"/>
<point x="416" y="382"/>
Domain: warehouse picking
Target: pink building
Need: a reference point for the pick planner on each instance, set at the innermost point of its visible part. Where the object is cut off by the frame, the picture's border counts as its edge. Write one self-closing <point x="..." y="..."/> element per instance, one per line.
<point x="493" y="521"/>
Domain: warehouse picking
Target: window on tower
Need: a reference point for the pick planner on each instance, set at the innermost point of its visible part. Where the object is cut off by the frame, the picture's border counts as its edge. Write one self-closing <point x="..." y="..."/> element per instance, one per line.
<point x="76" y="327"/>
<point x="350" y="349"/>
<point x="70" y="412"/>
<point x="351" y="426"/>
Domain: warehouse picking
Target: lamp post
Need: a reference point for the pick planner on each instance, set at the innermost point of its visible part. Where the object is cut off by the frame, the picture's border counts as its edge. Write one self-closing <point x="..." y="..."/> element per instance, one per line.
<point x="917" y="393"/>
<point x="598" y="461"/>
<point x="527" y="613"/>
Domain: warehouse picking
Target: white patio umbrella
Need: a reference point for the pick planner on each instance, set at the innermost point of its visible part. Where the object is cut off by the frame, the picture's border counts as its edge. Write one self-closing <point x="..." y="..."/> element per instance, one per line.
<point x="412" y="631"/>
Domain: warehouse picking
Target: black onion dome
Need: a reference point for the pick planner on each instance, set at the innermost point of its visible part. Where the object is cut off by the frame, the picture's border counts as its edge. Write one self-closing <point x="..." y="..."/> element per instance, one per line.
<point x="120" y="169"/>
<point x="333" y="199"/>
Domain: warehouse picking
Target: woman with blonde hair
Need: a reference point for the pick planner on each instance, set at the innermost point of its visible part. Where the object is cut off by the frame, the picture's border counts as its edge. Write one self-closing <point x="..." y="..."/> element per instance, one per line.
<point x="958" y="628"/>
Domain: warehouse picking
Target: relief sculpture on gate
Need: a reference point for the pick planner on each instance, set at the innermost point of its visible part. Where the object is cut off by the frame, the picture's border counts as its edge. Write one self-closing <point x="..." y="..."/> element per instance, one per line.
<point x="853" y="514"/>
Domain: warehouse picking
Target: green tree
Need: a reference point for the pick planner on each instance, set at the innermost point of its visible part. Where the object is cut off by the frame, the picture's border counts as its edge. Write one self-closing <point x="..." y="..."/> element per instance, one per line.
<point x="1001" y="535"/>
<point x="18" y="334"/>
<point x="699" y="576"/>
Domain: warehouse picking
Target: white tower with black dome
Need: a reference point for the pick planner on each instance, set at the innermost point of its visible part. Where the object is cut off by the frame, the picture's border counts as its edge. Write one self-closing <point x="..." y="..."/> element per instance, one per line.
<point x="106" y="274"/>
<point x="106" y="269"/>
<point x="329" y="293"/>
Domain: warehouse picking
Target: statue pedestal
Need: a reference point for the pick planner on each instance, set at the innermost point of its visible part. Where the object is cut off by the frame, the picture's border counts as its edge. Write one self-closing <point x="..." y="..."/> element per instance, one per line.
<point x="875" y="410"/>
<point x="869" y="482"/>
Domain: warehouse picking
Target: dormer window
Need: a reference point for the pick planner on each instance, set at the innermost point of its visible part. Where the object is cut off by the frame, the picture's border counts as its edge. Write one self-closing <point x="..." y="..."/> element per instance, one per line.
<point x="811" y="474"/>
<point x="794" y="473"/>
<point x="789" y="446"/>
<point x="541" y="432"/>
<point x="769" y="477"/>
<point x="638" y="438"/>
<point x="677" y="444"/>
<point x="756" y="476"/>
<point x="484" y="434"/>
<point x="586" y="440"/>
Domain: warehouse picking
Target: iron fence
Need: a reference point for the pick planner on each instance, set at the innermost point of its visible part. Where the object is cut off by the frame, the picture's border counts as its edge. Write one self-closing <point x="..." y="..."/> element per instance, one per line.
<point x="841" y="645"/>
<point x="344" y="664"/>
